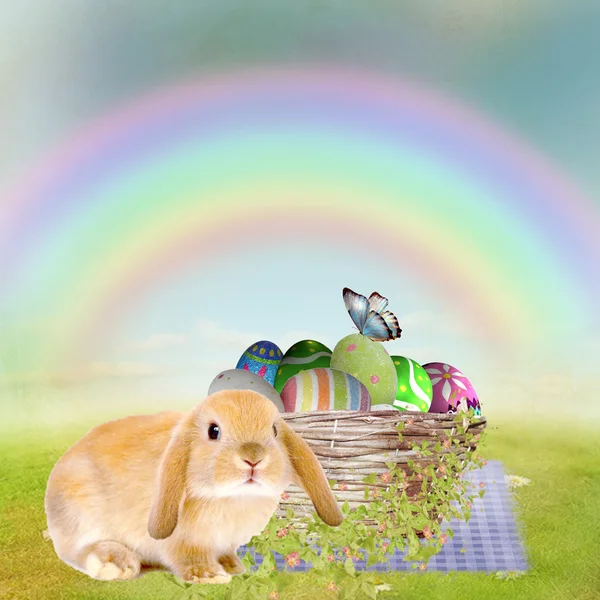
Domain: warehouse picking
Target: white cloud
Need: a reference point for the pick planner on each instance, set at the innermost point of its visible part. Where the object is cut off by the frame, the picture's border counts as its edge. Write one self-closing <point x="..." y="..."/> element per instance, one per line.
<point x="159" y="341"/>
<point x="426" y="321"/>
<point x="216" y="335"/>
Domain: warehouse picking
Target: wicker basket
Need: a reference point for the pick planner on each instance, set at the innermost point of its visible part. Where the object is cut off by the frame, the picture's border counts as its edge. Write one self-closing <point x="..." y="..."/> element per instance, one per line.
<point x="351" y="445"/>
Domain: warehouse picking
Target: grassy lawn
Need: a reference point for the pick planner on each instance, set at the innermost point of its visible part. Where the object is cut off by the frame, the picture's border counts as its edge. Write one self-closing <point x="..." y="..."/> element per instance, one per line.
<point x="559" y="512"/>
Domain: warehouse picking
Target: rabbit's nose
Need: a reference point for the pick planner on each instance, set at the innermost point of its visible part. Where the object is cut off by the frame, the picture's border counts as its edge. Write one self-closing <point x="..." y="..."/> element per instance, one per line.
<point x="251" y="463"/>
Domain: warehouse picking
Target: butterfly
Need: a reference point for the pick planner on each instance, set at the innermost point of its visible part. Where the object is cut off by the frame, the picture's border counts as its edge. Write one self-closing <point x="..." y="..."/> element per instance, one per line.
<point x="371" y="317"/>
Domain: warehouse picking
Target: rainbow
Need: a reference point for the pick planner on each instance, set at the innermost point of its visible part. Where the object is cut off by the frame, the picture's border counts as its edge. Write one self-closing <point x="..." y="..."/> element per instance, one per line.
<point x="423" y="182"/>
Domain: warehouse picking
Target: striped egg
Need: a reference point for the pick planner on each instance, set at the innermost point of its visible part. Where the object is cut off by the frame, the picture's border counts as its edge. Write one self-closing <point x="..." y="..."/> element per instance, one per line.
<point x="303" y="355"/>
<point x="261" y="358"/>
<point x="324" y="389"/>
<point x="414" y="385"/>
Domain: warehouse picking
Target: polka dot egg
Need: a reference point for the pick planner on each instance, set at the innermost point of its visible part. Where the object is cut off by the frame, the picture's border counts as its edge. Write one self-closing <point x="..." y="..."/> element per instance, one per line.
<point x="262" y="358"/>
<point x="368" y="361"/>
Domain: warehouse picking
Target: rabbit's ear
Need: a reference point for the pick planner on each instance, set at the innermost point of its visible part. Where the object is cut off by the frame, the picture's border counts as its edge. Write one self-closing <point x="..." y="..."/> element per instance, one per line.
<point x="309" y="474"/>
<point x="164" y="511"/>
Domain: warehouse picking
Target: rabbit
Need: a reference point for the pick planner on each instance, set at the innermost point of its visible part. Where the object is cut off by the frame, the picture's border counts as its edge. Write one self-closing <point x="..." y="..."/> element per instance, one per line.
<point x="179" y="491"/>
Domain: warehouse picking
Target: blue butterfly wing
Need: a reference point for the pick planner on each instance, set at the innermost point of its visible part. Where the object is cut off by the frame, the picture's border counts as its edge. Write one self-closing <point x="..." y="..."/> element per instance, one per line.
<point x="377" y="302"/>
<point x="357" y="306"/>
<point x="376" y="328"/>
<point x="392" y="322"/>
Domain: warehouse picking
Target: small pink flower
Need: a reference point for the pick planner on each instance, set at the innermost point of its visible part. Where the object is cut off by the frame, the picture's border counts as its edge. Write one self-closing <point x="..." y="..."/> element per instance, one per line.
<point x="419" y="476"/>
<point x="274" y="595"/>
<point x="374" y="379"/>
<point x="468" y="505"/>
<point x="285" y="496"/>
<point x="481" y="484"/>
<point x="290" y="528"/>
<point x="355" y="558"/>
<point x="381" y="528"/>
<point x="343" y="487"/>
<point x="347" y="551"/>
<point x="476" y="438"/>
<point x="442" y="469"/>
<point x="484" y="463"/>
<point x="443" y="538"/>
<point x="427" y="532"/>
<point x="331" y="558"/>
<point x="410" y="421"/>
<point x="282" y="533"/>
<point x="384" y="546"/>
<point x="332" y="587"/>
<point x="446" y="444"/>
<point x="351" y="348"/>
<point x="292" y="559"/>
<point x="386" y="477"/>
<point x="422" y="567"/>
<point x="374" y="493"/>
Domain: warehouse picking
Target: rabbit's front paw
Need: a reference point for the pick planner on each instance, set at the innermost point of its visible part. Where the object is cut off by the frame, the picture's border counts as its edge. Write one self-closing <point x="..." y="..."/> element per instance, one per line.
<point x="111" y="560"/>
<point x="205" y="574"/>
<point x="232" y="564"/>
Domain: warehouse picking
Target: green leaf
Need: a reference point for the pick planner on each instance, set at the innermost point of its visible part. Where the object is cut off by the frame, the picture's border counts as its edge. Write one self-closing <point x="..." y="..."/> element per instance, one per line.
<point x="369" y="544"/>
<point x="348" y="591"/>
<point x="368" y="589"/>
<point x="349" y="567"/>
<point x="177" y="581"/>
<point x="371" y="479"/>
<point x="373" y="559"/>
<point x="345" y="508"/>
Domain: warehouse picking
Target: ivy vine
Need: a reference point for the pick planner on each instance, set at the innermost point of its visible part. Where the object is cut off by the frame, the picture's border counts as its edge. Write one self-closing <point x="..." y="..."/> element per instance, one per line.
<point x="398" y="521"/>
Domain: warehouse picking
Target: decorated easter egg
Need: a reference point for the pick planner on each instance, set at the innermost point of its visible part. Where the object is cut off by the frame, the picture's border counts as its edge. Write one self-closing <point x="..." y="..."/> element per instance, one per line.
<point x="302" y="356"/>
<point x="261" y="358"/>
<point x="452" y="391"/>
<point x="368" y="361"/>
<point x="414" y="386"/>
<point x="239" y="379"/>
<point x="324" y="389"/>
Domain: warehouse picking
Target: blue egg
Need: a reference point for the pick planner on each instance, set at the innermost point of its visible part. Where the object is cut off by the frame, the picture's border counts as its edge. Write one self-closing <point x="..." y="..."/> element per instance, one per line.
<point x="262" y="358"/>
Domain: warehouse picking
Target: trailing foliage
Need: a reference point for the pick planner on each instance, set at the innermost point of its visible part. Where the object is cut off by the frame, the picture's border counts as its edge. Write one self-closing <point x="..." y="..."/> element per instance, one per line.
<point x="395" y="522"/>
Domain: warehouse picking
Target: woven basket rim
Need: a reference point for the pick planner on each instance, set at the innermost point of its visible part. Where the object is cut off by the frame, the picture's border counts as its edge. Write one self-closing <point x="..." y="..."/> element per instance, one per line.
<point x="393" y="414"/>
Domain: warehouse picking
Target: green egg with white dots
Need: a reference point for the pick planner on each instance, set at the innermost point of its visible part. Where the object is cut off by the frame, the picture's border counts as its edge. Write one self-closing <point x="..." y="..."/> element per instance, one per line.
<point x="414" y="385"/>
<point x="368" y="362"/>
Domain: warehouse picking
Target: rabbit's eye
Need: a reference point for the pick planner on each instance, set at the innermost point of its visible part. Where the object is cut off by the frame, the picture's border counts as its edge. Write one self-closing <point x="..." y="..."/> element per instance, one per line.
<point x="214" y="431"/>
<point x="275" y="430"/>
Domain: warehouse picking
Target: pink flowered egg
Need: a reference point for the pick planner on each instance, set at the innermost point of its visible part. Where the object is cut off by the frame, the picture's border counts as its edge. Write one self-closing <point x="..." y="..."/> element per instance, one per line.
<point x="452" y="391"/>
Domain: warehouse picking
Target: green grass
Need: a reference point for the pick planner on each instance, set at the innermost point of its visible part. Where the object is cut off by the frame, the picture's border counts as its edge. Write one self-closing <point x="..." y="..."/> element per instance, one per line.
<point x="559" y="513"/>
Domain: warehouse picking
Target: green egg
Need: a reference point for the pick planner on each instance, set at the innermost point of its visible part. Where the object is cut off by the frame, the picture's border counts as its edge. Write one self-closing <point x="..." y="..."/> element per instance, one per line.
<point x="302" y="356"/>
<point x="368" y="361"/>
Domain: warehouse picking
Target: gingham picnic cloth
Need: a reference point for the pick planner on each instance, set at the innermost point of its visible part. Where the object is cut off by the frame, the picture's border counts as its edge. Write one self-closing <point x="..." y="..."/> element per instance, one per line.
<point x="490" y="541"/>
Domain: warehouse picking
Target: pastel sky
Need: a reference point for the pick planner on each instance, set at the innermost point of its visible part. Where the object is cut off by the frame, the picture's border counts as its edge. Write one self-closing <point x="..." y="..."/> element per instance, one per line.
<point x="527" y="68"/>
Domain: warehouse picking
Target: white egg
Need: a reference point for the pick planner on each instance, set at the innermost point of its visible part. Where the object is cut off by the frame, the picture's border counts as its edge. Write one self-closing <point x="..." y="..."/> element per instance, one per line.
<point x="239" y="379"/>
